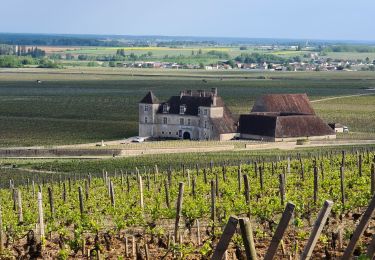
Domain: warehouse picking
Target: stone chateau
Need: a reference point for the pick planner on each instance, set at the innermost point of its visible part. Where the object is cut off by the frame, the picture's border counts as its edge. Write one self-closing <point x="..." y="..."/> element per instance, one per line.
<point x="195" y="115"/>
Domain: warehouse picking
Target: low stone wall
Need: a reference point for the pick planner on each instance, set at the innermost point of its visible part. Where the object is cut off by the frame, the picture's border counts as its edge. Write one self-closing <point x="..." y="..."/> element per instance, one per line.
<point x="58" y="152"/>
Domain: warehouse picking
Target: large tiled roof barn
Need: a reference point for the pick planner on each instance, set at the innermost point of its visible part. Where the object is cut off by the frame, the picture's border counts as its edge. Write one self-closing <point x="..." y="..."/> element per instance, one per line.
<point x="284" y="103"/>
<point x="283" y="116"/>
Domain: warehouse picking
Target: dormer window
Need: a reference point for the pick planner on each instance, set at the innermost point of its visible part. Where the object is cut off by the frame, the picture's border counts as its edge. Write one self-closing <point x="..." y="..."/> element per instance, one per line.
<point x="182" y="109"/>
<point x="165" y="108"/>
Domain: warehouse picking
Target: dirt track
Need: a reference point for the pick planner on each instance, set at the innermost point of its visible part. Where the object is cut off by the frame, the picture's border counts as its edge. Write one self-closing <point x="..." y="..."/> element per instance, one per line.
<point x="123" y="152"/>
<point x="338" y="97"/>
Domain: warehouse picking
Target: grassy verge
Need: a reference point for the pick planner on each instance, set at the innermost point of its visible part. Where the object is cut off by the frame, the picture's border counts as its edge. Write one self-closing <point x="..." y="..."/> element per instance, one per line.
<point x="164" y="161"/>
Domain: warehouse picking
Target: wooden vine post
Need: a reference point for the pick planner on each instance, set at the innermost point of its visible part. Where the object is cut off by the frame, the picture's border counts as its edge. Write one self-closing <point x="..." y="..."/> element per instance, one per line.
<point x="198" y="233"/>
<point x="51" y="202"/>
<point x="188" y="179"/>
<point x="156" y="170"/>
<point x="87" y="188"/>
<point x="193" y="186"/>
<point x="342" y="186"/>
<point x="167" y="194"/>
<point x="178" y="209"/>
<point x="41" y="216"/>
<point x="247" y="238"/>
<point x="213" y="207"/>
<point x="140" y="192"/>
<point x="366" y="217"/>
<point x="283" y="224"/>
<point x="112" y="193"/>
<point x="322" y="170"/>
<point x="261" y="177"/>
<point x="317" y="229"/>
<point x="1" y="231"/>
<point x="229" y="230"/>
<point x="217" y="184"/>
<point x="282" y="188"/>
<point x="372" y="173"/>
<point x="80" y="197"/>
<point x="360" y="165"/>
<point x="204" y="176"/>
<point x="239" y="178"/>
<point x="169" y="177"/>
<point x="224" y="172"/>
<point x="247" y="193"/>
<point x="315" y="184"/>
<point x="64" y="192"/>
<point x="127" y="183"/>
<point x="19" y="207"/>
<point x="371" y="248"/>
<point x="33" y="187"/>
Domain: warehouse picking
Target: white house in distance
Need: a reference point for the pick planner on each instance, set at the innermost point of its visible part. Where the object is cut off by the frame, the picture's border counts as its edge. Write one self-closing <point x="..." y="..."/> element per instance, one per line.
<point x="195" y="115"/>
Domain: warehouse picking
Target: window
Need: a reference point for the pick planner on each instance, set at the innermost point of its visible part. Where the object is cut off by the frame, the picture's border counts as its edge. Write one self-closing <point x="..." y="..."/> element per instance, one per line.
<point x="170" y="133"/>
<point x="165" y="120"/>
<point x="182" y="121"/>
<point x="189" y="121"/>
<point x="205" y="112"/>
<point x="199" y="111"/>
<point x="162" y="132"/>
<point x="176" y="133"/>
<point x="205" y="124"/>
<point x="146" y="119"/>
<point x="182" y="109"/>
<point x="146" y="108"/>
<point x="165" y="108"/>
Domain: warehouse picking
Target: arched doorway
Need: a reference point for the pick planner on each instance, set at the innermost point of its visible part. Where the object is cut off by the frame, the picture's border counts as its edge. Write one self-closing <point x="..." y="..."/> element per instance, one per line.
<point x="186" y="136"/>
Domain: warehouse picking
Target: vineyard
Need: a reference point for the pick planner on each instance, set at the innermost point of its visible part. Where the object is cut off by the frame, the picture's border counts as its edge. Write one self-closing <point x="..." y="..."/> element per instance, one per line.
<point x="191" y="212"/>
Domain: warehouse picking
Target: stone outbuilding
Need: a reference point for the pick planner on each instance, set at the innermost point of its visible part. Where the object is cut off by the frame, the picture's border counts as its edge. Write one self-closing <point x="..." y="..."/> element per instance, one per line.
<point x="283" y="117"/>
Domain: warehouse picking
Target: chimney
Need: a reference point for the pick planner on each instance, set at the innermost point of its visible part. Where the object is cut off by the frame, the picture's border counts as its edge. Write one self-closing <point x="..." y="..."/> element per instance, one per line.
<point x="214" y="91"/>
<point x="213" y="98"/>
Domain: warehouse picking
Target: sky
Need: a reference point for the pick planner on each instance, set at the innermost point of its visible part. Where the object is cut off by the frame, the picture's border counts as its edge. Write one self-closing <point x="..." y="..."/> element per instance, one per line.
<point x="291" y="19"/>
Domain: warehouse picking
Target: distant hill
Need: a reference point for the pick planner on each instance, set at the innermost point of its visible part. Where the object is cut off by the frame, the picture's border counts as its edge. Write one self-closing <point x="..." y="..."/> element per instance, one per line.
<point x="146" y="40"/>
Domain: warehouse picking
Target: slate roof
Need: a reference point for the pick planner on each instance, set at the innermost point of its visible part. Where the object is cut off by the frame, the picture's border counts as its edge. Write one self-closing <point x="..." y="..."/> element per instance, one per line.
<point x="284" y="103"/>
<point x="335" y="125"/>
<point x="150" y="98"/>
<point x="191" y="102"/>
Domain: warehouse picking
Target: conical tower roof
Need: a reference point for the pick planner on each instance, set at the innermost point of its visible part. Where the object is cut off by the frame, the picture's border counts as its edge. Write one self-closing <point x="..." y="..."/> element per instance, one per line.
<point x="150" y="98"/>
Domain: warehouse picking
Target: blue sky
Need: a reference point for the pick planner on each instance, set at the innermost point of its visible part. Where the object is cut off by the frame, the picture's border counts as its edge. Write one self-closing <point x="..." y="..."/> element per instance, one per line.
<point x="314" y="19"/>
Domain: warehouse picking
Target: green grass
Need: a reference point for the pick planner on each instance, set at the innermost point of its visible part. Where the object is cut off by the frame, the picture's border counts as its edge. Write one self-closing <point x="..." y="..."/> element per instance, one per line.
<point x="181" y="54"/>
<point x="87" y="105"/>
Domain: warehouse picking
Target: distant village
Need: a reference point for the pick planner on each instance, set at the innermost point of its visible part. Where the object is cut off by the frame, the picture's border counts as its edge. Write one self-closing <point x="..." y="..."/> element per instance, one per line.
<point x="316" y="63"/>
<point x="261" y="58"/>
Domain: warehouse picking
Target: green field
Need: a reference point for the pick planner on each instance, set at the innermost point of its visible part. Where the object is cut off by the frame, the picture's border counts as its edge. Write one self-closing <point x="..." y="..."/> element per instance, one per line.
<point x="159" y="52"/>
<point x="88" y="105"/>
